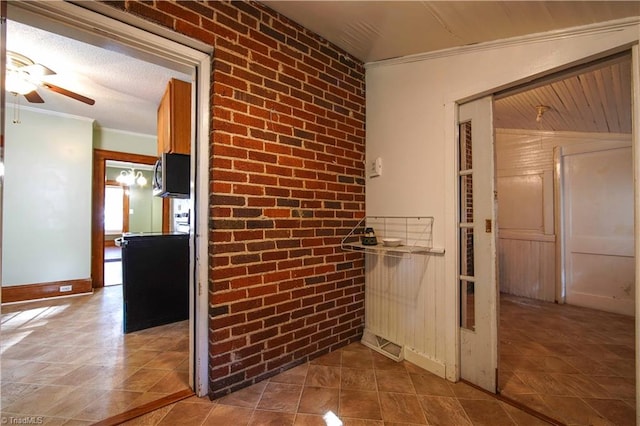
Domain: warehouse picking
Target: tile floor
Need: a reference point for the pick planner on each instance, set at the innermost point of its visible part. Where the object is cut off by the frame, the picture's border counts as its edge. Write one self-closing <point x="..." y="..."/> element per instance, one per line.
<point x="574" y="364"/>
<point x="68" y="362"/>
<point x="359" y="386"/>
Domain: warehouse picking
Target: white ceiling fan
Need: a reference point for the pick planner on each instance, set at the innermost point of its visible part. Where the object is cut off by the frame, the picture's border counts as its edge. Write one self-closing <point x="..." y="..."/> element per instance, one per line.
<point x="24" y="76"/>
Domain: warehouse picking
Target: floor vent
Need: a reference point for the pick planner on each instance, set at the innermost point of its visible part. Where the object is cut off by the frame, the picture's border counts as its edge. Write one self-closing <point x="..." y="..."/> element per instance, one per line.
<point x="383" y="346"/>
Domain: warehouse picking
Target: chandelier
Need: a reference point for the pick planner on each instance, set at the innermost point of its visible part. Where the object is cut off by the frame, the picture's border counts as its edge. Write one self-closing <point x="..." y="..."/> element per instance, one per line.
<point x="131" y="177"/>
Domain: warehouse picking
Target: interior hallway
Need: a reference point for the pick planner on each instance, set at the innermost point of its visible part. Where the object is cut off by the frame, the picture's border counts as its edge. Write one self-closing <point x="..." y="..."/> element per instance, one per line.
<point x="574" y="364"/>
<point x="68" y="361"/>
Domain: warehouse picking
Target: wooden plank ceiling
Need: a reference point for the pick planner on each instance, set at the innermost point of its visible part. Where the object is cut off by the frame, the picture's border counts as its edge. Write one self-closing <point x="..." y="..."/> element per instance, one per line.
<point x="596" y="99"/>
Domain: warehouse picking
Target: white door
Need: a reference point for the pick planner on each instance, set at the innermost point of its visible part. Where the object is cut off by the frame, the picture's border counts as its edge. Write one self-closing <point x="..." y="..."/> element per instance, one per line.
<point x="477" y="271"/>
<point x="597" y="197"/>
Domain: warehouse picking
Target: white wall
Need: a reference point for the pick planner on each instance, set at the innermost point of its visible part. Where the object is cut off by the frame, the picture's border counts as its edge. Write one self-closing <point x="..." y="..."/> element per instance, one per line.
<point x="121" y="141"/>
<point x="47" y="198"/>
<point x="411" y="124"/>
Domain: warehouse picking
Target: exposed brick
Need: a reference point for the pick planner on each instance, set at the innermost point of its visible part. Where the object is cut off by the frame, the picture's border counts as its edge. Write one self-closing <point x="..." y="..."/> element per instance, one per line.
<point x="287" y="182"/>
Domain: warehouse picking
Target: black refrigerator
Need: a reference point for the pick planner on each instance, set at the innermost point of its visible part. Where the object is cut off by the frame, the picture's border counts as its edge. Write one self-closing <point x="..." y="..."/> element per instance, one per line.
<point x="155" y="279"/>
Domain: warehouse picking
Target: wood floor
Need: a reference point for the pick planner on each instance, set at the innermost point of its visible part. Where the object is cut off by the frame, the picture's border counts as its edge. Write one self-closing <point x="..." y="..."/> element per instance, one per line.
<point x="66" y="361"/>
<point x="574" y="364"/>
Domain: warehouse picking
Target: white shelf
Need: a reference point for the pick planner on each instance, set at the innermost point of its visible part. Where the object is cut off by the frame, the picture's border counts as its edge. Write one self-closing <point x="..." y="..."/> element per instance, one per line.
<point x="382" y="249"/>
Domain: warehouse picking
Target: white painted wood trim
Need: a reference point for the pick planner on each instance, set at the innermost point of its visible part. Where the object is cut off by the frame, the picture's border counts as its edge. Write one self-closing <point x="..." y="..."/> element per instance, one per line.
<point x="423" y="361"/>
<point x="601" y="27"/>
<point x="635" y="85"/>
<point x="151" y="42"/>
<point x="558" y="214"/>
<point x="451" y="262"/>
<point x="526" y="236"/>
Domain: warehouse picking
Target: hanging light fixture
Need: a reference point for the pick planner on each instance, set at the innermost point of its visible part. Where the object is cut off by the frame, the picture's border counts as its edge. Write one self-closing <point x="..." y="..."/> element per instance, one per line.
<point x="541" y="109"/>
<point x="131" y="177"/>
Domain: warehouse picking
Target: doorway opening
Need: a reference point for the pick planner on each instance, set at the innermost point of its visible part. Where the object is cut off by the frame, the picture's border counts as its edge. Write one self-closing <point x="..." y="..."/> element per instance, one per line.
<point x="129" y="206"/>
<point x="565" y="219"/>
<point x="103" y="27"/>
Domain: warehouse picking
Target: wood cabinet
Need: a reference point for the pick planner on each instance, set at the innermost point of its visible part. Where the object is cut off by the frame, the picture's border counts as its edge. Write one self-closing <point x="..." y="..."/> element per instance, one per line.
<point x="174" y="119"/>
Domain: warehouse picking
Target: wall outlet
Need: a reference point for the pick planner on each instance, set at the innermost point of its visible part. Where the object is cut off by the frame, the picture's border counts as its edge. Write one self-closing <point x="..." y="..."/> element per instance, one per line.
<point x="64" y="288"/>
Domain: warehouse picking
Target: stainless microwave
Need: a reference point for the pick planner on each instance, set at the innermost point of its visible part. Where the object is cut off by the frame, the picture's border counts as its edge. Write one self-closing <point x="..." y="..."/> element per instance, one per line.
<point x="172" y="176"/>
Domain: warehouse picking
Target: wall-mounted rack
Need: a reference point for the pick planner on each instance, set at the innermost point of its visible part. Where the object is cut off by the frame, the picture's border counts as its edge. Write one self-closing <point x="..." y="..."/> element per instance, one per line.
<point x="414" y="233"/>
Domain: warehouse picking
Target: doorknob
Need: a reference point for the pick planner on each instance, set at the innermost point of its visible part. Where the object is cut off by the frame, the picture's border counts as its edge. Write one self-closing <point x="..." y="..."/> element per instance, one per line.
<point x="487" y="225"/>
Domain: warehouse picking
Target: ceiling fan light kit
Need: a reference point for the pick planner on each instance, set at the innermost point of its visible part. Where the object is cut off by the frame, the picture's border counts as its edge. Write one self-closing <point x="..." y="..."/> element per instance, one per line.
<point x="24" y="76"/>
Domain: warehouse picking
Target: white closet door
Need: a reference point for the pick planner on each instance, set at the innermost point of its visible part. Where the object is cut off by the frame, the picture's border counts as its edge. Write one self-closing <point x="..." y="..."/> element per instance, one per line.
<point x="598" y="227"/>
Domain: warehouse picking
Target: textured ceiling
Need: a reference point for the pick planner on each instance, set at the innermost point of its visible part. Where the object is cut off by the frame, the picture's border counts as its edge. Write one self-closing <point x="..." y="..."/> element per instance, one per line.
<point x="127" y="91"/>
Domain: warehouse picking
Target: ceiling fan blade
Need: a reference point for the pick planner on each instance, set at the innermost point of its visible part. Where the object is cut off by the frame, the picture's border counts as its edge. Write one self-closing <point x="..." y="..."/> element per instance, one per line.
<point x="38" y="70"/>
<point x="69" y="93"/>
<point x="34" y="97"/>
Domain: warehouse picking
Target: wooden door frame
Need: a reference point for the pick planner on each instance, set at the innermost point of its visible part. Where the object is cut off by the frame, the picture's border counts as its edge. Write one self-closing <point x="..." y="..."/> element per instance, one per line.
<point x="100" y="158"/>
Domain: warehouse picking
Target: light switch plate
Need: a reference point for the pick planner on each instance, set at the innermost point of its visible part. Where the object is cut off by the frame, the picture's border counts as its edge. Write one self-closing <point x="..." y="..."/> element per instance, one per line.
<point x="375" y="167"/>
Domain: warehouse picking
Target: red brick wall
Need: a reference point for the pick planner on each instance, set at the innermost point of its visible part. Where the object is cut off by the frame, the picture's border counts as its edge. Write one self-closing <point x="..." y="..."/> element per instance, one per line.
<point x="287" y="182"/>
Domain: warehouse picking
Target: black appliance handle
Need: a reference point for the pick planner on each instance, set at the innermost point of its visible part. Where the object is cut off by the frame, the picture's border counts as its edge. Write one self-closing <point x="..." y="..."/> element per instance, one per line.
<point x="156" y="179"/>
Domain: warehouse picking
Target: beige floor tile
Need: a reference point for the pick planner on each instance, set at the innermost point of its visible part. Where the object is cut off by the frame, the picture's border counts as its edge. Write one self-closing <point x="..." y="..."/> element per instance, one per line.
<point x="294" y="376"/>
<point x="572" y="354"/>
<point x="401" y="408"/>
<point x="351" y="378"/>
<point x="65" y="357"/>
<point x="142" y="380"/>
<point x="185" y="414"/>
<point x="150" y="419"/>
<point x="227" y="414"/>
<point x="443" y="410"/>
<point x="172" y="382"/>
<point x="572" y="410"/>
<point x="522" y="418"/>
<point x="309" y="420"/>
<point x="361" y="422"/>
<point x="614" y="410"/>
<point x="617" y="387"/>
<point x="280" y="397"/>
<point x="430" y="384"/>
<point x="381" y="362"/>
<point x="486" y="412"/>
<point x="465" y="391"/>
<point x="394" y="381"/>
<point x="357" y="359"/>
<point x="112" y="403"/>
<point x="271" y="418"/>
<point x="316" y="400"/>
<point x="247" y="397"/>
<point x="324" y="376"/>
<point x="359" y="404"/>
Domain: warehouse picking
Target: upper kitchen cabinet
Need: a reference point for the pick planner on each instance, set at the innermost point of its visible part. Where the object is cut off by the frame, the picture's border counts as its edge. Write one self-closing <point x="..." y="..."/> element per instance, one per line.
<point x="174" y="119"/>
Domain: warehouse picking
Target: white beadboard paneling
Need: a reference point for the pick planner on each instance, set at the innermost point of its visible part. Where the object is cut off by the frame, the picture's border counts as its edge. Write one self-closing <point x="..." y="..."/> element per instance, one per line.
<point x="596" y="100"/>
<point x="527" y="268"/>
<point x="521" y="200"/>
<point x="527" y="259"/>
<point x="404" y="305"/>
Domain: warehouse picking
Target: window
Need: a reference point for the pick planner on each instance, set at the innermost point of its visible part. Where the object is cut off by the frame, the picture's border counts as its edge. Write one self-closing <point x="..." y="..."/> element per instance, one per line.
<point x="114" y="209"/>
